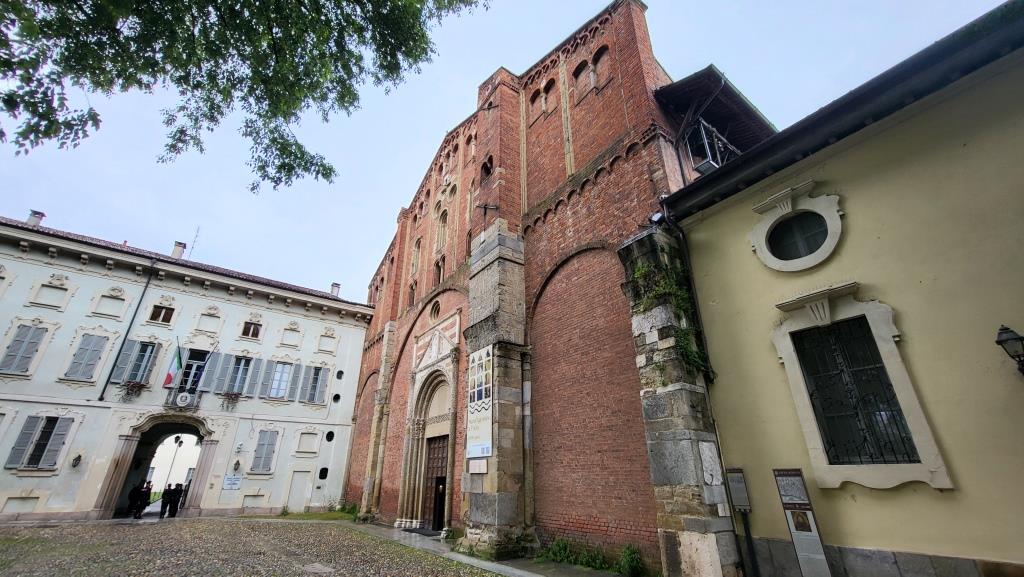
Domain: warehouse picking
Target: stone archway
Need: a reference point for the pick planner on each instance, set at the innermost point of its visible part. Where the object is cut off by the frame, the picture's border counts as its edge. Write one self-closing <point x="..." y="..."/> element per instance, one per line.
<point x="430" y="439"/>
<point x="125" y="454"/>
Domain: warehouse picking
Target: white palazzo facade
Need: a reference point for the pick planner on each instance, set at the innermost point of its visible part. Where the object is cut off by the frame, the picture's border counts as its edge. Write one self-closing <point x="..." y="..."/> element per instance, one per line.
<point x="107" y="350"/>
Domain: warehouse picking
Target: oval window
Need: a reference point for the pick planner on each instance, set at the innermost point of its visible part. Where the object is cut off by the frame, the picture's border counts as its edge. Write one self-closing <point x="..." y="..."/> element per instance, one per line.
<point x="798" y="236"/>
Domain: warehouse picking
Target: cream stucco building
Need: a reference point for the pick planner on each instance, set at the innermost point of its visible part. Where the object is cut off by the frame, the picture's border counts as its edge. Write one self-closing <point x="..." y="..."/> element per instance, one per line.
<point x="849" y="275"/>
<point x="107" y="350"/>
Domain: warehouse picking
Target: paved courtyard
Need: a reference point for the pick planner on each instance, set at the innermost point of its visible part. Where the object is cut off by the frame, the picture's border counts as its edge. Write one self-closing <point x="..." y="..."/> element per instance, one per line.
<point x="249" y="547"/>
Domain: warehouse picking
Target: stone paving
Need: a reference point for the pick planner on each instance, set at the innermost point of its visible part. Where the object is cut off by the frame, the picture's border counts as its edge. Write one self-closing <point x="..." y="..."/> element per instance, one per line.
<point x="213" y="547"/>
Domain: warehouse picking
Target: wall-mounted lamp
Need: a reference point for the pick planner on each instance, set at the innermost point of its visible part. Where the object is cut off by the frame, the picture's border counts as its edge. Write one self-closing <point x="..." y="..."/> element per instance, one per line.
<point x="76" y="461"/>
<point x="1013" y="344"/>
<point x="238" y="465"/>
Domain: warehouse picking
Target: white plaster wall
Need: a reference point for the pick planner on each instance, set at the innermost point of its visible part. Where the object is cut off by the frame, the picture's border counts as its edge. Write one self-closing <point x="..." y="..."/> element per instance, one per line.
<point x="99" y="422"/>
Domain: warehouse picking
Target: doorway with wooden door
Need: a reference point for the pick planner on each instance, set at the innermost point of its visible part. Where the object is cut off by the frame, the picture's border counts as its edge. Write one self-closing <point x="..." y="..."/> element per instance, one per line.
<point x="436" y="478"/>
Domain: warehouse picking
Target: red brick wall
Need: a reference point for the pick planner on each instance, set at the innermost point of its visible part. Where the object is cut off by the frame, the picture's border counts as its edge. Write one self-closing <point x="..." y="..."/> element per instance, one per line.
<point x="360" y="442"/>
<point x="590" y="458"/>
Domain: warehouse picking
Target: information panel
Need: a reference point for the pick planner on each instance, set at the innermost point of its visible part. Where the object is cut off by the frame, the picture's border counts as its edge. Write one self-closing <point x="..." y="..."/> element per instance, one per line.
<point x="478" y="415"/>
<point x="802" y="525"/>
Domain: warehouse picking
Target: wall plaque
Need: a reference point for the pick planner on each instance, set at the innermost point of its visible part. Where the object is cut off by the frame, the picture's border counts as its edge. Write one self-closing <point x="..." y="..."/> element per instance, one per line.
<point x="802" y="525"/>
<point x="478" y="414"/>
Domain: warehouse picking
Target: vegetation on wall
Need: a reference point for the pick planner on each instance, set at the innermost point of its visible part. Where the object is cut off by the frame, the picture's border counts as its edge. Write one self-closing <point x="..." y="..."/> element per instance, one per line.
<point x="667" y="285"/>
<point x="628" y="563"/>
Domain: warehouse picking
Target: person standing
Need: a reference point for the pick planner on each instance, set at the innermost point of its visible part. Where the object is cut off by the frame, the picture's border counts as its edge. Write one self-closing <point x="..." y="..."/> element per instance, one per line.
<point x="147" y="494"/>
<point x="165" y="500"/>
<point x="175" y="500"/>
<point x="134" y="498"/>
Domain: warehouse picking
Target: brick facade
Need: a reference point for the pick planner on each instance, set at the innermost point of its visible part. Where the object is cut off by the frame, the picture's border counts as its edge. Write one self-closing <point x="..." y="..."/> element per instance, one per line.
<point x="570" y="155"/>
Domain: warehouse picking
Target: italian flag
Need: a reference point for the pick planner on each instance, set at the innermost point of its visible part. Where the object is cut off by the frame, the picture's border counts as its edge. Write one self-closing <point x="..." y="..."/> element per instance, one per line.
<point x="172" y="371"/>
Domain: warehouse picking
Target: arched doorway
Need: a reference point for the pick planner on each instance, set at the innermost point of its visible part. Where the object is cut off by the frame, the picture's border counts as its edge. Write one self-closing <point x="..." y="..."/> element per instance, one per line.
<point x="425" y="502"/>
<point x="136" y="450"/>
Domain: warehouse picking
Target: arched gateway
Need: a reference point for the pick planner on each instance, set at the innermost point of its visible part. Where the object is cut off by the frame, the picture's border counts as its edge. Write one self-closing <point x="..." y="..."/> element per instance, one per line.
<point x="136" y="448"/>
<point x="425" y="501"/>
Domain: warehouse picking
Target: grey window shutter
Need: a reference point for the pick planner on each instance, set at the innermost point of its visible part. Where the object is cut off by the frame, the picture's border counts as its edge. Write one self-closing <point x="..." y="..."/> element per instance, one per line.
<point x="268" y="377"/>
<point x="227" y="362"/>
<point x="124" y="360"/>
<point x="321" y="389"/>
<point x="213" y="361"/>
<point x="76" y="369"/>
<point x="147" y="371"/>
<point x="57" y="439"/>
<point x="261" y="450"/>
<point x="23" y="442"/>
<point x="307" y="378"/>
<point x="15" y="347"/>
<point x="30" y="350"/>
<point x="293" y="390"/>
<point x="268" y="451"/>
<point x="97" y="345"/>
<point x="254" y="376"/>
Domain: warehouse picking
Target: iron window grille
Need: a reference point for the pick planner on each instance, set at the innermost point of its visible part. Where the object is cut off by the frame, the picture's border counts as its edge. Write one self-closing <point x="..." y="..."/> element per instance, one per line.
<point x="858" y="414"/>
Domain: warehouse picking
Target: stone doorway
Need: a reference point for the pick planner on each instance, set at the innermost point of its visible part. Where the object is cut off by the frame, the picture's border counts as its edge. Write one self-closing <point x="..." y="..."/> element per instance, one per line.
<point x="437" y="482"/>
<point x="134" y="453"/>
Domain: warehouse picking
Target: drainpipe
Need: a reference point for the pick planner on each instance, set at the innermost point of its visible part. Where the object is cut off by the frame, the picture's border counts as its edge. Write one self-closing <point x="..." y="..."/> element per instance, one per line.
<point x="709" y="375"/>
<point x="131" y="323"/>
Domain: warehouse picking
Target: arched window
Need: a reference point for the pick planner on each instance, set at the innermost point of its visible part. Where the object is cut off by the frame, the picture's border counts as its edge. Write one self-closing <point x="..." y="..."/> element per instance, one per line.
<point x="412" y="293"/>
<point x="439" y="271"/>
<point x="547" y="101"/>
<point x="486" y="168"/>
<point x="471" y="145"/>
<point x="415" y="261"/>
<point x="601" y="67"/>
<point x="582" y="79"/>
<point x="442" y="229"/>
<point x="536" y="104"/>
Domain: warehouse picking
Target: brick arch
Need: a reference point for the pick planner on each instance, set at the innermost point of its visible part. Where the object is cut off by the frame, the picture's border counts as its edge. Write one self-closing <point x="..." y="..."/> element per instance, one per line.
<point x="568" y="256"/>
<point x="360" y="440"/>
<point x="591" y="475"/>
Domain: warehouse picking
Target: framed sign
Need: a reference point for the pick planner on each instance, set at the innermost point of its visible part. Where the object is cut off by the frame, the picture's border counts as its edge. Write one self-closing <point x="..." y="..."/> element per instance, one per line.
<point x="738" y="490"/>
<point x="802" y="526"/>
<point x="478" y="414"/>
<point x="232" y="482"/>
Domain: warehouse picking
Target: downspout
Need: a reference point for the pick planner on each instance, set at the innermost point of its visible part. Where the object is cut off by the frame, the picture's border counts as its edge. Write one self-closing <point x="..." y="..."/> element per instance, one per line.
<point x="708" y="373"/>
<point x="131" y="323"/>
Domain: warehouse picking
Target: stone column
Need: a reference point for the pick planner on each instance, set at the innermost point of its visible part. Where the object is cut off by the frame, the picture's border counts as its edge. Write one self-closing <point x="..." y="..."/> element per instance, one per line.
<point x="496" y="526"/>
<point x="694" y="522"/>
<point x="200" y="479"/>
<point x="113" y="482"/>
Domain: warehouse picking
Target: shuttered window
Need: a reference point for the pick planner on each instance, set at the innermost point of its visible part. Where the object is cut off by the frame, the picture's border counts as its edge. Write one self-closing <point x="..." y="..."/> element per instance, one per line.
<point x="282" y="376"/>
<point x="142" y="363"/>
<point x="317" y="385"/>
<point x="39" y="444"/>
<point x="83" y="363"/>
<point x="239" y="374"/>
<point x="263" y="459"/>
<point x="22" y="348"/>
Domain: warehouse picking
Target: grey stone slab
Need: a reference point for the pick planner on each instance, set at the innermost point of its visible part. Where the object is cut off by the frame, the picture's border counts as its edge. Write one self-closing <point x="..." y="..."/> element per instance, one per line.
<point x="507" y="508"/>
<point x="834" y="557"/>
<point x="714" y="494"/>
<point x="954" y="567"/>
<point x="869" y="563"/>
<point x="670" y="557"/>
<point x="482" y="508"/>
<point x="655" y="406"/>
<point x="672" y="463"/>
<point x="727" y="551"/>
<point x="784" y="561"/>
<point x="913" y="565"/>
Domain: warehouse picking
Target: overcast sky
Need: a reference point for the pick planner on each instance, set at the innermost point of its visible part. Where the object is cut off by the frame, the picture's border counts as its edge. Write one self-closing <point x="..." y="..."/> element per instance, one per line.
<point x="790" y="57"/>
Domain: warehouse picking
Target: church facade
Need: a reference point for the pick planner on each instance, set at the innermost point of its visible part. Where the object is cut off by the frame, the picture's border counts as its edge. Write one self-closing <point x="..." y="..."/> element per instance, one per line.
<point x="560" y="346"/>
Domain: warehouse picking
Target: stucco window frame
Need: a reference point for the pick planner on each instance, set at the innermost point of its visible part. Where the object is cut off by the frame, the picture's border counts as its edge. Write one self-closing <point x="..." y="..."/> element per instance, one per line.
<point x="80" y="332"/>
<point x="57" y="281"/>
<point x="7" y="278"/>
<point x="295" y="327"/>
<point x="116" y="293"/>
<point x="255" y="435"/>
<point x="166" y="301"/>
<point x="77" y="418"/>
<point x="299" y="452"/>
<point x="821" y="308"/>
<point x="51" y="330"/>
<point x="785" y="204"/>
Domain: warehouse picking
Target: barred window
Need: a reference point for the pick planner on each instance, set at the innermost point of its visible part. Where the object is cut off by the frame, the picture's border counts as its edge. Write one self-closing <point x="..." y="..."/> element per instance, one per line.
<point x="858" y="413"/>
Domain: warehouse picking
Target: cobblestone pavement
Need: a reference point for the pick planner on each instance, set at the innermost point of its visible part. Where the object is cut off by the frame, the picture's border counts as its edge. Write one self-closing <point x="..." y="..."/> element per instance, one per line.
<point x="248" y="547"/>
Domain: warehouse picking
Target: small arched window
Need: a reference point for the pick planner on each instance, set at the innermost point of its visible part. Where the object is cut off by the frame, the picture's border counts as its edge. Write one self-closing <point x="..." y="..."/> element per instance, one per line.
<point x="536" y="104"/>
<point x="439" y="271"/>
<point x="471" y="145"/>
<point x="547" y="101"/>
<point x="442" y="229"/>
<point x="415" y="261"/>
<point x="412" y="293"/>
<point x="582" y="79"/>
<point x="486" y="168"/>
<point x="601" y="66"/>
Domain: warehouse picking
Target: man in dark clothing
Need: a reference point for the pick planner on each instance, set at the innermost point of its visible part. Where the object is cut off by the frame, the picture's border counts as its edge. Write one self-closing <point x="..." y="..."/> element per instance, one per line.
<point x="175" y="500"/>
<point x="134" y="498"/>
<point x="147" y="494"/>
<point x="165" y="500"/>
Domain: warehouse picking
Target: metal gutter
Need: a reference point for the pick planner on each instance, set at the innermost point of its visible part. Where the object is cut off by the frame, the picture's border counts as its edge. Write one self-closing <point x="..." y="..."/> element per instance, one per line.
<point x="983" y="41"/>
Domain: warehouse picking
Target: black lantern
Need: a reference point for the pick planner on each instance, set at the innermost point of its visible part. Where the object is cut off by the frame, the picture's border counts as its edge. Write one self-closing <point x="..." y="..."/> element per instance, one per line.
<point x="1013" y="344"/>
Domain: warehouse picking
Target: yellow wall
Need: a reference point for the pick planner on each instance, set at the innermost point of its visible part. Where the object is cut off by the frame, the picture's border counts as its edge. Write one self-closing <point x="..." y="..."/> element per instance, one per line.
<point x="934" y="227"/>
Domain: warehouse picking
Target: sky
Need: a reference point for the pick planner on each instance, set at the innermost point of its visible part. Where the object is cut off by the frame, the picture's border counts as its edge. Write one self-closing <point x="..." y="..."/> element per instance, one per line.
<point x="789" y="57"/>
